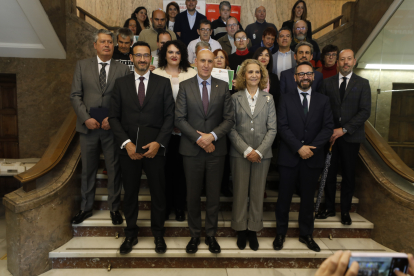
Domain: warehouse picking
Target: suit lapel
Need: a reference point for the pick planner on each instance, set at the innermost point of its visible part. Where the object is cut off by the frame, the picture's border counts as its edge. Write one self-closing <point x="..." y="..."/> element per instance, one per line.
<point x="213" y="93"/>
<point x="312" y="105"/>
<point x="351" y="83"/>
<point x="95" y="71"/>
<point x="298" y="104"/>
<point x="197" y="94"/>
<point x="244" y="103"/>
<point x="150" y="89"/>
<point x="292" y="79"/>
<point x="132" y="90"/>
<point x="112" y="70"/>
<point x="261" y="100"/>
<point x="336" y="89"/>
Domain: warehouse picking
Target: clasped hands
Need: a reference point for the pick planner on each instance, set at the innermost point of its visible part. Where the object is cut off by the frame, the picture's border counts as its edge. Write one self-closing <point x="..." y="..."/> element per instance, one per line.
<point x="91" y="123"/>
<point x="152" y="147"/>
<point x="205" y="141"/>
<point x="254" y="157"/>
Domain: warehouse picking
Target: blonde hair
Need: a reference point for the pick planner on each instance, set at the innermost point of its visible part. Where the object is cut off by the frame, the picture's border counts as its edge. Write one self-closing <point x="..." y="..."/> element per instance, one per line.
<point x="241" y="76"/>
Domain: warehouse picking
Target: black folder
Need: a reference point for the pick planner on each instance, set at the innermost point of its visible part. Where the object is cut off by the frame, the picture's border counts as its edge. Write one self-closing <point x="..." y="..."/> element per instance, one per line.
<point x="145" y="135"/>
<point x="99" y="113"/>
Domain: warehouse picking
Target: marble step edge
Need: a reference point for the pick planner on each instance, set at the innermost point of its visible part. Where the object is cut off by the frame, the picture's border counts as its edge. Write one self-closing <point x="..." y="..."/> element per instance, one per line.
<point x="107" y="247"/>
<point x="101" y="218"/>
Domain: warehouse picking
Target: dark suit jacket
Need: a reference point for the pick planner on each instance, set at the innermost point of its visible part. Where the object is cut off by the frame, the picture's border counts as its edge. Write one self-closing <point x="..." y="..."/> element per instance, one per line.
<point x="297" y="130"/>
<point x="287" y="81"/>
<point x="289" y="24"/>
<point x="182" y="25"/>
<point x="274" y="88"/>
<point x="226" y="44"/>
<point x="190" y="117"/>
<point x="126" y="114"/>
<point x="355" y="108"/>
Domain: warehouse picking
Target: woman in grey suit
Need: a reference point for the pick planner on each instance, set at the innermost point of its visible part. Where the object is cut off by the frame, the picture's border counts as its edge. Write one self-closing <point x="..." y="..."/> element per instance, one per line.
<point x="250" y="153"/>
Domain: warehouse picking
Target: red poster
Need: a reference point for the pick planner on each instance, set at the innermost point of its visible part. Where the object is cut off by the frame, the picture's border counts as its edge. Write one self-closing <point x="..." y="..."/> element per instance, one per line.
<point x="213" y="12"/>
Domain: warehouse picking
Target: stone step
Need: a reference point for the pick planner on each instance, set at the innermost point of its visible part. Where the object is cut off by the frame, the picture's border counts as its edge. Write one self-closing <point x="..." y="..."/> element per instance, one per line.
<point x="99" y="252"/>
<point x="100" y="225"/>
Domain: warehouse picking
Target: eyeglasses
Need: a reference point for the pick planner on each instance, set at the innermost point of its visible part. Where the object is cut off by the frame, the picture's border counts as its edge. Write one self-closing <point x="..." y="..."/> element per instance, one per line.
<point x="205" y="30"/>
<point x="330" y="55"/>
<point x="241" y="38"/>
<point x="139" y="56"/>
<point x="302" y="74"/>
<point x="301" y="28"/>
<point x="232" y="25"/>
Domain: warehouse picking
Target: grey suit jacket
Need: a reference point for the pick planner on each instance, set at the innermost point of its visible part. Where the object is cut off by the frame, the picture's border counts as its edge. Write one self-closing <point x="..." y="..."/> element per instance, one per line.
<point x="258" y="130"/>
<point x="190" y="116"/>
<point x="226" y="44"/>
<point x="86" y="91"/>
<point x="355" y="108"/>
<point x="275" y="56"/>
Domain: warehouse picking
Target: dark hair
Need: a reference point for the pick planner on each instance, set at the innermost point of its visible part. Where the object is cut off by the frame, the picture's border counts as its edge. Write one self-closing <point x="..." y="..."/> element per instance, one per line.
<point x="168" y="7"/>
<point x="305" y="10"/>
<point x="285" y="29"/>
<point x="140" y="43"/>
<point x="239" y="31"/>
<point x="269" y="31"/>
<point x="204" y="21"/>
<point x="257" y="54"/>
<point x="224" y="3"/>
<point x="304" y="63"/>
<point x="126" y="24"/>
<point x="226" y="57"/>
<point x="329" y="48"/>
<point x="160" y="32"/>
<point x="162" y="60"/>
<point x="146" y="22"/>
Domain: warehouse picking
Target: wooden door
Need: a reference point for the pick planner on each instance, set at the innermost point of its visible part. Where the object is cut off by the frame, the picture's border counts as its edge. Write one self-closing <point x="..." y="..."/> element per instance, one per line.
<point x="9" y="138"/>
<point x="401" y="134"/>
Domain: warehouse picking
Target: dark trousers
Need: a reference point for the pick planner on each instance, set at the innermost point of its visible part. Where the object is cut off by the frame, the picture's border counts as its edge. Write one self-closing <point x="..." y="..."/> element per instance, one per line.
<point x="225" y="182"/>
<point x="346" y="154"/>
<point x="308" y="178"/>
<point x="175" y="189"/>
<point x="131" y="178"/>
<point x="196" y="167"/>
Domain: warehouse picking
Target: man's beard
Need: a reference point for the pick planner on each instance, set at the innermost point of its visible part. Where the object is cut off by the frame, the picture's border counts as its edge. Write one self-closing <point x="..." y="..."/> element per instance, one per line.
<point x="136" y="65"/>
<point x="300" y="37"/>
<point x="304" y="87"/>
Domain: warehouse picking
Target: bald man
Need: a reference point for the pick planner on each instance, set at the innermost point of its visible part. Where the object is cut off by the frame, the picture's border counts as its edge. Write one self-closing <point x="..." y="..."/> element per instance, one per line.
<point x="149" y="36"/>
<point x="204" y="125"/>
<point x="255" y="30"/>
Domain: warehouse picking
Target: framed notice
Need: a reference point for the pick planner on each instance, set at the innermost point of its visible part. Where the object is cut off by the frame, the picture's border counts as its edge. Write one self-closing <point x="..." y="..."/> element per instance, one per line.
<point x="201" y="5"/>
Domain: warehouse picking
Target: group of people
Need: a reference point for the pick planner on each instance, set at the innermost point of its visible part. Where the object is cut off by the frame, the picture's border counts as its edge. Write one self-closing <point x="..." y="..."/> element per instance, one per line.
<point x="197" y="130"/>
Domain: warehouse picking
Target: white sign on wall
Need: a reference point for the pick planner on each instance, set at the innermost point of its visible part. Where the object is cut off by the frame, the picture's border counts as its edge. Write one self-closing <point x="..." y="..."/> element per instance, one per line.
<point x="201" y="5"/>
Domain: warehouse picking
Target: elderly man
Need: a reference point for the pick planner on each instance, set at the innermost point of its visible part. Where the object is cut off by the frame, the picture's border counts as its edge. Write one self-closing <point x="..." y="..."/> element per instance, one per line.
<point x="219" y="25"/>
<point x="187" y="22"/>
<point x="227" y="41"/>
<point x="242" y="53"/>
<point x="205" y="35"/>
<point x="300" y="28"/>
<point x="284" y="58"/>
<point x="255" y="30"/>
<point x="268" y="41"/>
<point x="150" y="35"/>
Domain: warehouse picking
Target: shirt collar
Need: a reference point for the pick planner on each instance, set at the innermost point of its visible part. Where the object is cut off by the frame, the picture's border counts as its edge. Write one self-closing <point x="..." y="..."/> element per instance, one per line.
<point x="230" y="37"/>
<point x="284" y="54"/>
<point x="348" y="76"/>
<point x="100" y="61"/>
<point x="200" y="80"/>
<point x="309" y="91"/>
<point x="264" y="22"/>
<point x="188" y="14"/>
<point x="209" y="41"/>
<point x="255" y="95"/>
<point x="146" y="76"/>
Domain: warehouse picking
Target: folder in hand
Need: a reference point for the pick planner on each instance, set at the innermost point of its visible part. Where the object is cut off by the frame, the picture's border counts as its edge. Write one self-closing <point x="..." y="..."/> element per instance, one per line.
<point x="99" y="113"/>
<point x="145" y="135"/>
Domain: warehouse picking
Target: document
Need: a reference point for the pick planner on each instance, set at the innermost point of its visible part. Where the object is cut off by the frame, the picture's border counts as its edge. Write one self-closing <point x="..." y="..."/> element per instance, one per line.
<point x="146" y="135"/>
<point x="224" y="75"/>
<point x="99" y="113"/>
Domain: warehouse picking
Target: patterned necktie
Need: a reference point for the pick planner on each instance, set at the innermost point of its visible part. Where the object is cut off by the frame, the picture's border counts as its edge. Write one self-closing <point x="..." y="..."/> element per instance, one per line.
<point x="102" y="77"/>
<point x="342" y="88"/>
<point x="205" y="97"/>
<point x="305" y="103"/>
<point x="141" y="91"/>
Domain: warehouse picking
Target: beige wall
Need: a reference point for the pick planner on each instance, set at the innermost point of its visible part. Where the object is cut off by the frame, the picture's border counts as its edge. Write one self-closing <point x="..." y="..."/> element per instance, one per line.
<point x="115" y="12"/>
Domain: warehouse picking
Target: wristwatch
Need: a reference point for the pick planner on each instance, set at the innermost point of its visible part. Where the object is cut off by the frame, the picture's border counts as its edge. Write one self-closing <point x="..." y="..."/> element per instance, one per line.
<point x="344" y="130"/>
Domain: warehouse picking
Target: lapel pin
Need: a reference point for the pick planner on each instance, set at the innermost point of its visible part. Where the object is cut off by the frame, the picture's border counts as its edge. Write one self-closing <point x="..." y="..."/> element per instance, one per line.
<point x="268" y="98"/>
<point x="217" y="85"/>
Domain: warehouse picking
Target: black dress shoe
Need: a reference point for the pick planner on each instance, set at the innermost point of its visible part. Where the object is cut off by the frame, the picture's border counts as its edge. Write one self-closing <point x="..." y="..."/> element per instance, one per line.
<point x="278" y="242"/>
<point x="310" y="243"/>
<point x="226" y="192"/>
<point x="179" y="215"/>
<point x="116" y="218"/>
<point x="241" y="239"/>
<point x="160" y="246"/>
<point x="192" y="245"/>
<point x="81" y="216"/>
<point x="213" y="245"/>
<point x="325" y="214"/>
<point x="127" y="245"/>
<point x="346" y="219"/>
<point x="253" y="242"/>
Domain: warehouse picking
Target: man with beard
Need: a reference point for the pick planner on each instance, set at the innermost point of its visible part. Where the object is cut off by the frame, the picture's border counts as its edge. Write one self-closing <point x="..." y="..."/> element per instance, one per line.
<point x="188" y="22"/>
<point x="303" y="52"/>
<point x="300" y="28"/>
<point x="142" y="106"/>
<point x="305" y="125"/>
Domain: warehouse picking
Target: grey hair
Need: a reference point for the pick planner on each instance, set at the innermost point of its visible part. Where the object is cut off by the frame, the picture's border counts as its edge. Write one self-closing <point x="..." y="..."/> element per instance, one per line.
<point x="232" y="17"/>
<point x="203" y="44"/>
<point x="294" y="24"/>
<point x="255" y="10"/>
<point x="224" y="3"/>
<point x="303" y="43"/>
<point x="103" y="31"/>
<point x="124" y="33"/>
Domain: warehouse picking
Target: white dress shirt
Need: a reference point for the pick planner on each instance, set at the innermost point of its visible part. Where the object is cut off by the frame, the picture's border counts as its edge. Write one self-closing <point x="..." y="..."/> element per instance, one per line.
<point x="347" y="79"/>
<point x="191" y="19"/>
<point x="208" y="85"/>
<point x="214" y="44"/>
<point x="308" y="97"/>
<point x="284" y="61"/>
<point x="252" y="104"/>
<point x="106" y="67"/>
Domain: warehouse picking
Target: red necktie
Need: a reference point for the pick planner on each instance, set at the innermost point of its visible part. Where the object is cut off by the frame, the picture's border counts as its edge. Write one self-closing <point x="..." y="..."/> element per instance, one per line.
<point x="141" y="91"/>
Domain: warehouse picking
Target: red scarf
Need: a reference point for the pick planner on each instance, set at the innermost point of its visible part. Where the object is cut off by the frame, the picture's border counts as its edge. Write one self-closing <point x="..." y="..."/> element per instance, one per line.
<point x="242" y="53"/>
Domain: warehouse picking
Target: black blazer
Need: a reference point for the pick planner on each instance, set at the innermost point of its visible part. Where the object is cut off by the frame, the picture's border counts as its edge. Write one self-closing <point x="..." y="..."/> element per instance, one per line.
<point x="126" y="114"/>
<point x="297" y="130"/>
<point x="287" y="81"/>
<point x="182" y="25"/>
<point x="355" y="108"/>
<point x="274" y="88"/>
<point x="289" y="24"/>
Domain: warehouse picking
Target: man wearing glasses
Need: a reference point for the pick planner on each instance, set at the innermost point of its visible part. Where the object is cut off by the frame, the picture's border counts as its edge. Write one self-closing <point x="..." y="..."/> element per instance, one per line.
<point x="305" y="124"/>
<point x="242" y="53"/>
<point x="219" y="25"/>
<point x="204" y="32"/>
<point x="142" y="110"/>
<point x="227" y="41"/>
<point x="300" y="28"/>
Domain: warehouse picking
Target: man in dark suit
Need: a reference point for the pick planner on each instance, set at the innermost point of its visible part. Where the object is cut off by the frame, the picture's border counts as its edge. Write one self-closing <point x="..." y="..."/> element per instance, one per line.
<point x="188" y="22"/>
<point x="204" y="114"/>
<point x="305" y="125"/>
<point x="141" y="102"/>
<point x="350" y="97"/>
<point x="92" y="86"/>
<point x="303" y="52"/>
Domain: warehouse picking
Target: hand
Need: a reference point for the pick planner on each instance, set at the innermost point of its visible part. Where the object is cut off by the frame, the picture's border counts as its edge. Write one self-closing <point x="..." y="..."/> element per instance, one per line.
<point x="210" y="148"/>
<point x="410" y="271"/>
<point x="130" y="147"/>
<point x="177" y="130"/>
<point x="105" y="124"/>
<point x="152" y="149"/>
<point x="151" y="68"/>
<point x="338" y="132"/>
<point x="92" y="124"/>
<point x="336" y="265"/>
<point x="305" y="152"/>
<point x="253" y="157"/>
<point x="205" y="139"/>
